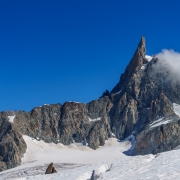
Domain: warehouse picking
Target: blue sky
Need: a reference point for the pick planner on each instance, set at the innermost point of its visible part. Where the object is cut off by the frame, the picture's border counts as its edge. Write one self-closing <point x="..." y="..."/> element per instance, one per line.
<point x="66" y="50"/>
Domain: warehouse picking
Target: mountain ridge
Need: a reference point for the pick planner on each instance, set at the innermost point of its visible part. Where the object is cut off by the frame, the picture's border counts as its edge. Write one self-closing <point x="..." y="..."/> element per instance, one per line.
<point x="141" y="99"/>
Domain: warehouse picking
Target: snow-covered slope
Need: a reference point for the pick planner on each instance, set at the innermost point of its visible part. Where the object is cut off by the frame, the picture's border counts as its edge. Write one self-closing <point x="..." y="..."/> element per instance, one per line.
<point x="39" y="154"/>
<point x="42" y="152"/>
<point x="109" y="162"/>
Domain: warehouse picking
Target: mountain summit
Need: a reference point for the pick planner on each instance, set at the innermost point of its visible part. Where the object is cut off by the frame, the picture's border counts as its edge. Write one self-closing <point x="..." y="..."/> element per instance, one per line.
<point x="134" y="65"/>
<point x="143" y="106"/>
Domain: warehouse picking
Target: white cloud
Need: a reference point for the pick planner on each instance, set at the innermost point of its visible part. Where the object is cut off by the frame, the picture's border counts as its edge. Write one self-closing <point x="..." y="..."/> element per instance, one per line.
<point x="168" y="65"/>
<point x="171" y="57"/>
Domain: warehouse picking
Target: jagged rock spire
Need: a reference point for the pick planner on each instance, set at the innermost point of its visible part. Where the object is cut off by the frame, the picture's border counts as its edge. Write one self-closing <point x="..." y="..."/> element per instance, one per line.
<point x="142" y="45"/>
<point x="137" y="60"/>
<point x="134" y="65"/>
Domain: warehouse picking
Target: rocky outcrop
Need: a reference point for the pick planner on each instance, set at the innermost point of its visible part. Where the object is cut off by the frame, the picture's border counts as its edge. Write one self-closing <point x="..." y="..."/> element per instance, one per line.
<point x="68" y="123"/>
<point x="12" y="145"/>
<point x="162" y="138"/>
<point x="106" y="93"/>
<point x="50" y="169"/>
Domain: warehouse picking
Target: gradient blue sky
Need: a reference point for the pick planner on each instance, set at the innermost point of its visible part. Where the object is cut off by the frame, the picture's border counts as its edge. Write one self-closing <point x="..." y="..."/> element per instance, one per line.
<point x="73" y="50"/>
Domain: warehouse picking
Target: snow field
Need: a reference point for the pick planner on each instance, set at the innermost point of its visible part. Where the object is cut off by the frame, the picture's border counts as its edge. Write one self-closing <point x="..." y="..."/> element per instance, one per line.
<point x="164" y="166"/>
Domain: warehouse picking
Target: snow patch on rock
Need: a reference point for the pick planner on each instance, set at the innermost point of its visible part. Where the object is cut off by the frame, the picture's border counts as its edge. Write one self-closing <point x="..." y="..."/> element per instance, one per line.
<point x="149" y="58"/>
<point x="74" y="102"/>
<point x="119" y="92"/>
<point x="96" y="119"/>
<point x="159" y="122"/>
<point x="143" y="67"/>
<point x="11" y="118"/>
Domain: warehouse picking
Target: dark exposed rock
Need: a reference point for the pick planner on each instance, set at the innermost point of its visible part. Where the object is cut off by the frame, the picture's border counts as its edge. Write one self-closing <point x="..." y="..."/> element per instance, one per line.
<point x="158" y="139"/>
<point x="41" y="122"/>
<point x="133" y="67"/>
<point x="50" y="169"/>
<point x="106" y="93"/>
<point x="12" y="145"/>
<point x="68" y="123"/>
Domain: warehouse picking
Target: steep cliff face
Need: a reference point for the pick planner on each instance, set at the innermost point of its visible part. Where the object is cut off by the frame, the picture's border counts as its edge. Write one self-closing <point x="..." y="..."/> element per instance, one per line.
<point x="142" y="104"/>
<point x="130" y="108"/>
<point x="68" y="123"/>
<point x="145" y="94"/>
<point x="133" y="67"/>
<point x="12" y="145"/>
<point x="162" y="138"/>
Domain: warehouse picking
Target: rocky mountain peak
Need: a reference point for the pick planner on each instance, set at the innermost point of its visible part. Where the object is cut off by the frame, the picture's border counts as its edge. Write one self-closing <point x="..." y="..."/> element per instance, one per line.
<point x="134" y="65"/>
<point x="142" y="45"/>
<point x="143" y="105"/>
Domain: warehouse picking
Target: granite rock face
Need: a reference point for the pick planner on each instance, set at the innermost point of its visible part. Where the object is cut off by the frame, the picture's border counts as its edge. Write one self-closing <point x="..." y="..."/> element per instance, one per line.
<point x="140" y="104"/>
<point x="68" y="123"/>
<point x="145" y="94"/>
<point x="12" y="145"/>
<point x="88" y="124"/>
<point x="159" y="139"/>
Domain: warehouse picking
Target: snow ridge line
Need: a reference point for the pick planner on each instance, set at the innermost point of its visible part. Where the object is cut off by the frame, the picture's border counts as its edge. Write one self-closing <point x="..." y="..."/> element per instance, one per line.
<point x="95" y="174"/>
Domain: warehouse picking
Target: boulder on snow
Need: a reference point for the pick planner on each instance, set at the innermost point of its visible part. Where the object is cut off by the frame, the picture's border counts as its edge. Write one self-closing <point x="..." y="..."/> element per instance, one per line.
<point x="50" y="169"/>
